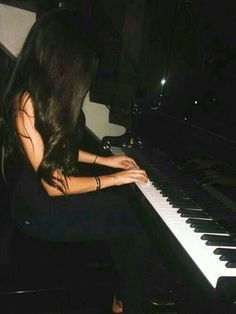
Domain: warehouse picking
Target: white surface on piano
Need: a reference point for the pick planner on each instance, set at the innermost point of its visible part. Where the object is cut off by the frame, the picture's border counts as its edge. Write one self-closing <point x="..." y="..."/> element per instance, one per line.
<point x="15" y="24"/>
<point x="97" y="120"/>
<point x="202" y="255"/>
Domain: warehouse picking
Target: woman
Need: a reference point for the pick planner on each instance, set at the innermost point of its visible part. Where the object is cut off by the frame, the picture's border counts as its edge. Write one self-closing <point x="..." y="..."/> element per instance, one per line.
<point x="39" y="117"/>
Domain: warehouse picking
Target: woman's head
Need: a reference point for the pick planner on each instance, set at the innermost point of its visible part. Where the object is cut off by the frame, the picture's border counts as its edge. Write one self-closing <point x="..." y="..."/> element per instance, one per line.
<point x="57" y="64"/>
<point x="55" y="67"/>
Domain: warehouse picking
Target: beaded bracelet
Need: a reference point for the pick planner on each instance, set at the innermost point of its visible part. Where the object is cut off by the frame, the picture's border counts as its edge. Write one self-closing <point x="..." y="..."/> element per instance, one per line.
<point x="98" y="182"/>
<point x="95" y="159"/>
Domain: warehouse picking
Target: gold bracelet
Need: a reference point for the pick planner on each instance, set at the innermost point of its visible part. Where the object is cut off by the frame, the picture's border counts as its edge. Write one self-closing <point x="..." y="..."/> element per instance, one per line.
<point x="95" y="159"/>
<point x="98" y="182"/>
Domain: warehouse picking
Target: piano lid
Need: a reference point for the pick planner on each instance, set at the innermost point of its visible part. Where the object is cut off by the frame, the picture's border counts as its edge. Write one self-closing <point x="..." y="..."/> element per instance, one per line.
<point x="193" y="103"/>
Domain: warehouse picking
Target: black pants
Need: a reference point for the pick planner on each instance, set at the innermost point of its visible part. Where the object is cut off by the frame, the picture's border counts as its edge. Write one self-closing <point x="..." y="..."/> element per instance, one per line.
<point x="92" y="216"/>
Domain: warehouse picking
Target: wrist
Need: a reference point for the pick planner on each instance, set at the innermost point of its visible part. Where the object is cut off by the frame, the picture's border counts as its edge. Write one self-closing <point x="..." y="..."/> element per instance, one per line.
<point x="100" y="160"/>
<point x="114" y="179"/>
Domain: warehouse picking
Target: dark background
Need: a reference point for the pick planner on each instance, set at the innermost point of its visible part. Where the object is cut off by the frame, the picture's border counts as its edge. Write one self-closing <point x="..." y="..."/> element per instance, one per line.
<point x="189" y="43"/>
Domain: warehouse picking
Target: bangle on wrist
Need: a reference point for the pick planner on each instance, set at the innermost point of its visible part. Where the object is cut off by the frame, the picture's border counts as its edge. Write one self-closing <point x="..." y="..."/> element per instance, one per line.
<point x="95" y="159"/>
<point x="98" y="183"/>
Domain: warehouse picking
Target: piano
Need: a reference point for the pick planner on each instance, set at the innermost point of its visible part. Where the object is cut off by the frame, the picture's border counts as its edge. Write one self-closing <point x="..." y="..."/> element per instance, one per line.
<point x="192" y="227"/>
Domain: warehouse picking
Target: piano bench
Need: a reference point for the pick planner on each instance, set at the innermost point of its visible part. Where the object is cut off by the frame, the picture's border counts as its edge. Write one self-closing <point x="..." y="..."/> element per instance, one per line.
<point x="38" y="276"/>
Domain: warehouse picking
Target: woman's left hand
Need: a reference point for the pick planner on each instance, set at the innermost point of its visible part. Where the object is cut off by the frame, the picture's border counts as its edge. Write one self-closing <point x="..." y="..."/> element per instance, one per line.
<point x="122" y="162"/>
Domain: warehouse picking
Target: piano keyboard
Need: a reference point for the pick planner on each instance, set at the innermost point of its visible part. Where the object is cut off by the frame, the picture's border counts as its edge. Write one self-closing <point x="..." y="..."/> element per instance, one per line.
<point x="198" y="245"/>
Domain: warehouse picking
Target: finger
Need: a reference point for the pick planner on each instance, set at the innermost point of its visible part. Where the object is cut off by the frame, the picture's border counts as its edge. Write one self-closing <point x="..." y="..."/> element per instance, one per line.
<point x="136" y="171"/>
<point x="129" y="165"/>
<point x="132" y="162"/>
<point x="126" y="165"/>
<point x="140" y="177"/>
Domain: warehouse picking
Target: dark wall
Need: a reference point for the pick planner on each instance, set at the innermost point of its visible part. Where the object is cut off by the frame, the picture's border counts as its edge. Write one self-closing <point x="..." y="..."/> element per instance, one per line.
<point x="202" y="92"/>
<point x="7" y="62"/>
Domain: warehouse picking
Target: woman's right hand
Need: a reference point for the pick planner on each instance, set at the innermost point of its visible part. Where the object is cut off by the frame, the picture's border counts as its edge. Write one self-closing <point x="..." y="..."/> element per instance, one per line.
<point x="132" y="175"/>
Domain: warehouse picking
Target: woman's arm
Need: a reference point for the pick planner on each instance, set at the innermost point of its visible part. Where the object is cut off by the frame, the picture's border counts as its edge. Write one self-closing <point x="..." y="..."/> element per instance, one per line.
<point x="122" y="162"/>
<point x="34" y="148"/>
<point x="87" y="157"/>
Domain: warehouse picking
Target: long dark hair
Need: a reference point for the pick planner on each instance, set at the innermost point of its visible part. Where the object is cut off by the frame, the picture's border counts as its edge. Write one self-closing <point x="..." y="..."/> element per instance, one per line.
<point x="55" y="68"/>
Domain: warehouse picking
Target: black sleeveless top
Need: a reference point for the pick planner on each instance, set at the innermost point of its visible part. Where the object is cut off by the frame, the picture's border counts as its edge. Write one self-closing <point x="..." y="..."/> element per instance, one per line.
<point x="30" y="200"/>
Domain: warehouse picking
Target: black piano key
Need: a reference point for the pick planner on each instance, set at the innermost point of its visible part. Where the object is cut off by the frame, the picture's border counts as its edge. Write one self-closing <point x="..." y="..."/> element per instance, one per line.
<point x="230" y="264"/>
<point x="217" y="237"/>
<point x="227" y="258"/>
<point x="207" y="226"/>
<point x="192" y="209"/>
<point x="193" y="214"/>
<point x="199" y="222"/>
<point x="220" y="251"/>
<point x="220" y="243"/>
<point x="210" y="230"/>
<point x="204" y="223"/>
<point x="219" y="240"/>
<point x="181" y="203"/>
